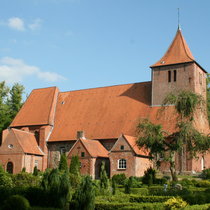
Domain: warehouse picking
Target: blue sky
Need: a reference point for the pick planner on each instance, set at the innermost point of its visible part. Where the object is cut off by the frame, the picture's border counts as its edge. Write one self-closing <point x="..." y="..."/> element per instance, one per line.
<point x="78" y="44"/>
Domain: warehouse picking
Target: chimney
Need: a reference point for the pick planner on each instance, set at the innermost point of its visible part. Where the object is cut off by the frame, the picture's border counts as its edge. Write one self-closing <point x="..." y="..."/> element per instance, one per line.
<point x="81" y="135"/>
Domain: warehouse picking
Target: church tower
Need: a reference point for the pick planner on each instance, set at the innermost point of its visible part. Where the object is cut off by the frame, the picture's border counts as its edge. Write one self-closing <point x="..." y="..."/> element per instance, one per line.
<point x="177" y="70"/>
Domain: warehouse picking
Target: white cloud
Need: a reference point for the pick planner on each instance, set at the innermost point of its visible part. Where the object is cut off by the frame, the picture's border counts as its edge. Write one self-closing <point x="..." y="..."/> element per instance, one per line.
<point x="15" y="70"/>
<point x="16" y="23"/>
<point x="35" y="25"/>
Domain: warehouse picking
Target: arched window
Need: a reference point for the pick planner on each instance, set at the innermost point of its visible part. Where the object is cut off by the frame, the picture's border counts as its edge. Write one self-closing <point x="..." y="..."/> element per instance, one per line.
<point x="10" y="167"/>
<point x="122" y="164"/>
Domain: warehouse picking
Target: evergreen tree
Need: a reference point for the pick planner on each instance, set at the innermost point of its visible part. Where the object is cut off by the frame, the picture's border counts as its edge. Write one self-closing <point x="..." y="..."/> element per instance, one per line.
<point x="113" y="186"/>
<point x="35" y="172"/>
<point x="84" y="197"/>
<point x="128" y="185"/>
<point x="63" y="165"/>
<point x="75" y="166"/>
<point x="57" y="186"/>
<point x="104" y="182"/>
<point x="23" y="170"/>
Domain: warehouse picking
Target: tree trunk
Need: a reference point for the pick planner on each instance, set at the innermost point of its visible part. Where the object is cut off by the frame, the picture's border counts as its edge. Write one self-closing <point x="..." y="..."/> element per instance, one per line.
<point x="173" y="171"/>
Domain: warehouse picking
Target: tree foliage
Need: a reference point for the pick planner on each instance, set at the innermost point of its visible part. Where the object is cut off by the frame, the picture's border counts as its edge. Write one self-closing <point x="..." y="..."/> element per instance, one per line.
<point x="164" y="145"/>
<point x="10" y="103"/>
<point x="75" y="165"/>
<point x="63" y="165"/>
<point x="84" y="197"/>
<point x="57" y="185"/>
<point x="104" y="181"/>
<point x="186" y="102"/>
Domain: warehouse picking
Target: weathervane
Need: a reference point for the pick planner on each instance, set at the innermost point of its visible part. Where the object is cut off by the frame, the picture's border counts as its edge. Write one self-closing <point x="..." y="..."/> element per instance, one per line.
<point x="178" y="20"/>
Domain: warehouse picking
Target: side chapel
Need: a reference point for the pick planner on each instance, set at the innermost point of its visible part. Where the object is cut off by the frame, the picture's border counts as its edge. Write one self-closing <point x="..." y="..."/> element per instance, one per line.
<point x="99" y="124"/>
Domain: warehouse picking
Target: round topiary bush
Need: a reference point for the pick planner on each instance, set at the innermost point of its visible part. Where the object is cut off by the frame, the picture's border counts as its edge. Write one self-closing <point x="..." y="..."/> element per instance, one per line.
<point x="16" y="202"/>
<point x="175" y="203"/>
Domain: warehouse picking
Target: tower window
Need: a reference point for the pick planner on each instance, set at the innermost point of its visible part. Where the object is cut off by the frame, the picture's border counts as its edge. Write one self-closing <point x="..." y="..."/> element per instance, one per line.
<point x="169" y="76"/>
<point x="174" y="75"/>
<point x="82" y="154"/>
<point x="122" y="147"/>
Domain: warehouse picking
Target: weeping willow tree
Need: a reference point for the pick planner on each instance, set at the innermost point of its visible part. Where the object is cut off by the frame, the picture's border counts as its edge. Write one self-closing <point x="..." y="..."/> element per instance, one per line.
<point x="186" y="138"/>
<point x="186" y="103"/>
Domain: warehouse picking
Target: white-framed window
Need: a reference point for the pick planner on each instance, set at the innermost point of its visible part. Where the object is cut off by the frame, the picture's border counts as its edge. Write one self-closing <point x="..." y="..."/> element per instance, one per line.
<point x="122" y="164"/>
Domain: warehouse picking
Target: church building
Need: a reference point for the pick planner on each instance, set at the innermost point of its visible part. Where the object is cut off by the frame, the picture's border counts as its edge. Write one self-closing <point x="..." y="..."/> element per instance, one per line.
<point x="99" y="124"/>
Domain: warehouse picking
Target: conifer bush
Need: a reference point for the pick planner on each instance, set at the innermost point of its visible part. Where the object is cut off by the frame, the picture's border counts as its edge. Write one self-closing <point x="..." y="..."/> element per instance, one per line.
<point x="16" y="202"/>
<point x="84" y="197"/>
<point x="63" y="165"/>
<point x="35" y="172"/>
<point x="119" y="178"/>
<point x="149" y="176"/>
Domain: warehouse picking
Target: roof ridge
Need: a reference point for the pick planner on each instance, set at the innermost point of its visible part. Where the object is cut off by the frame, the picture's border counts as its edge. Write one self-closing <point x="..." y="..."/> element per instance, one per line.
<point x="22" y="131"/>
<point x="106" y="86"/>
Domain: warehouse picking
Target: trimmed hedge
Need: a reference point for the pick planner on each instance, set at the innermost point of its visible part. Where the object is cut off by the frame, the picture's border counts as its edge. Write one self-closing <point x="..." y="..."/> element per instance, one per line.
<point x="128" y="206"/>
<point x="198" y="207"/>
<point x="148" y="199"/>
<point x="139" y="191"/>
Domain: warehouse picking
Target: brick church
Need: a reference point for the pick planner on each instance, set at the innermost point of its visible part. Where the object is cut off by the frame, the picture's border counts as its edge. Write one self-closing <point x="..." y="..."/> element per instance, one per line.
<point x="99" y="124"/>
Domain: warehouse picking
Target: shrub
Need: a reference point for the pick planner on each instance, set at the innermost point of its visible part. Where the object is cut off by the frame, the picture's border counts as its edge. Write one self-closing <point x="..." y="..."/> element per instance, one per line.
<point x="75" y="165"/>
<point x="149" y="176"/>
<point x="63" y="165"/>
<point x="24" y="179"/>
<point x="84" y="197"/>
<point x="113" y="187"/>
<point x="203" y="183"/>
<point x="205" y="174"/>
<point x="148" y="199"/>
<point x="128" y="185"/>
<point x="197" y="207"/>
<point x="128" y="206"/>
<point x="175" y="203"/>
<point x="5" y="180"/>
<point x="16" y="202"/>
<point x="119" y="178"/>
<point x="104" y="181"/>
<point x="35" y="172"/>
<point x="37" y="196"/>
<point x="197" y="198"/>
<point x="186" y="182"/>
<point x="160" y="181"/>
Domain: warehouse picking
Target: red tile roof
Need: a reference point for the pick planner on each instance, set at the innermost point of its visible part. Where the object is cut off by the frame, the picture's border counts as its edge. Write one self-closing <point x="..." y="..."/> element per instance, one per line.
<point x="178" y="52"/>
<point x="27" y="141"/>
<point x="95" y="148"/>
<point x="38" y="109"/>
<point x="132" y="142"/>
<point x="103" y="113"/>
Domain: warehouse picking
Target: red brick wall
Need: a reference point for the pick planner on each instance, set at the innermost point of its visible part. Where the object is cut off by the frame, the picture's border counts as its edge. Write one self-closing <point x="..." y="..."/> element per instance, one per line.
<point x="15" y="158"/>
<point x="87" y="162"/>
<point x="189" y="77"/>
<point x="135" y="165"/>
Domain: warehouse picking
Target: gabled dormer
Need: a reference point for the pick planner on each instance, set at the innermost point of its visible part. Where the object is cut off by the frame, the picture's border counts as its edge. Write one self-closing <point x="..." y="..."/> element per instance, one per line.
<point x="177" y="70"/>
